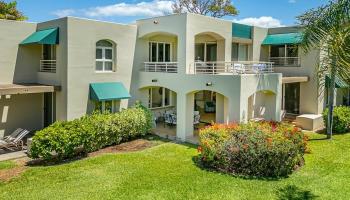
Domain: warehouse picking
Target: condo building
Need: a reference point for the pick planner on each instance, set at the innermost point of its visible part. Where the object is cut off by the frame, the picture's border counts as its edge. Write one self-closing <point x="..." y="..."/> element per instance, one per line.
<point x="187" y="69"/>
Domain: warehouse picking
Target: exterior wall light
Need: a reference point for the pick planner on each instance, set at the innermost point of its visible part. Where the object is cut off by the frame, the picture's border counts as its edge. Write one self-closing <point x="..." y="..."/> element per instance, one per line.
<point x="209" y="84"/>
<point x="154" y="80"/>
<point x="155" y="22"/>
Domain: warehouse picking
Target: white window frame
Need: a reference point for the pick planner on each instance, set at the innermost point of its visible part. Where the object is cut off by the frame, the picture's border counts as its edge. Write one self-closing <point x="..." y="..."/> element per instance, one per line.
<point x="103" y="105"/>
<point x="150" y="103"/>
<point x="205" y="48"/>
<point x="104" y="59"/>
<point x="157" y="50"/>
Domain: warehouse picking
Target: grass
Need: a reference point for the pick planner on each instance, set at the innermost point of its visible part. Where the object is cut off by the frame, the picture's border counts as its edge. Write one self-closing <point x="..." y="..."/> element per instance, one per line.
<point x="7" y="165"/>
<point x="167" y="171"/>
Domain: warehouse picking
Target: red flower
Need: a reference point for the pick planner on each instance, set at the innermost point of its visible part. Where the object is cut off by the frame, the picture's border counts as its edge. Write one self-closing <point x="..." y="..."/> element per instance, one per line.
<point x="199" y="149"/>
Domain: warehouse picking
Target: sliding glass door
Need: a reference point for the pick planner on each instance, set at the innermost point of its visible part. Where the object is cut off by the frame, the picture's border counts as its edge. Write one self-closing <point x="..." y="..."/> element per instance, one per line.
<point x="291" y="98"/>
<point x="206" y="52"/>
<point x="159" y="52"/>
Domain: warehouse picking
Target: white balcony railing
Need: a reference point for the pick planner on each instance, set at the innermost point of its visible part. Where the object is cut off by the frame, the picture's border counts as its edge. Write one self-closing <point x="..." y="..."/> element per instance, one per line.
<point x="48" y="66"/>
<point x="165" y="67"/>
<point x="239" y="67"/>
<point x="285" y="61"/>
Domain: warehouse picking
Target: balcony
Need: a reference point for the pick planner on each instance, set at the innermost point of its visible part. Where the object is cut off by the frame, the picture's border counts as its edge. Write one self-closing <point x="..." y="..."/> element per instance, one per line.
<point x="164" y="67"/>
<point x="230" y="68"/>
<point x="48" y="66"/>
<point x="285" y="61"/>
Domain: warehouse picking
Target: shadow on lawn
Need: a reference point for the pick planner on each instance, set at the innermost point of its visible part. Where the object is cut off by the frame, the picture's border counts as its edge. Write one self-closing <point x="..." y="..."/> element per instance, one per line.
<point x="292" y="192"/>
<point x="204" y="167"/>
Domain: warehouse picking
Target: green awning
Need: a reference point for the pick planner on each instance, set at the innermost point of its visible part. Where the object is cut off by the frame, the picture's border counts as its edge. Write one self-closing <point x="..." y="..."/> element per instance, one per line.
<point x="108" y="91"/>
<point x="339" y="83"/>
<point x="47" y="36"/>
<point x="285" y="38"/>
<point x="241" y="31"/>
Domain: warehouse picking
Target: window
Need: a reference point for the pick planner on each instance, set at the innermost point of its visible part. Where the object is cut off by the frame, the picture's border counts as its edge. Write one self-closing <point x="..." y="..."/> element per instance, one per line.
<point x="206" y="52"/>
<point x="159" y="97"/>
<point x="104" y="56"/>
<point x="106" y="106"/>
<point x="240" y="52"/>
<point x="159" y="52"/>
<point x="284" y="51"/>
<point x="48" y="52"/>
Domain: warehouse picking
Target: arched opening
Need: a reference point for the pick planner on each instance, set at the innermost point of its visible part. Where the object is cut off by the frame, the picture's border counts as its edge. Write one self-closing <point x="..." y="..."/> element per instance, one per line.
<point x="162" y="52"/>
<point x="261" y="105"/>
<point x="162" y="103"/>
<point x="209" y="52"/>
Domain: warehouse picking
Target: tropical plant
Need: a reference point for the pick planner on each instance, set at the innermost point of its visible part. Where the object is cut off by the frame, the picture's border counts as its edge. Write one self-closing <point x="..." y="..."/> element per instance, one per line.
<point x="9" y="11"/>
<point x="327" y="28"/>
<point x="89" y="133"/>
<point x="214" y="8"/>
<point x="265" y="149"/>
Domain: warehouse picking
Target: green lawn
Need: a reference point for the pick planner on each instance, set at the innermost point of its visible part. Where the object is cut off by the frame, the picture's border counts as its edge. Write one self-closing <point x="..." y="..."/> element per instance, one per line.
<point x="167" y="171"/>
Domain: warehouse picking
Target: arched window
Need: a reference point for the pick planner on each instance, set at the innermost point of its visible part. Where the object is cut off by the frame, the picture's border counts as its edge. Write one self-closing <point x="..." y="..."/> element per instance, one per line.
<point x="104" y="56"/>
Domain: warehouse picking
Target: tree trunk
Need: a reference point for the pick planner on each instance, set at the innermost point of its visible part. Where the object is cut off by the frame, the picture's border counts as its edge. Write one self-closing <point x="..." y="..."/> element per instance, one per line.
<point x="331" y="103"/>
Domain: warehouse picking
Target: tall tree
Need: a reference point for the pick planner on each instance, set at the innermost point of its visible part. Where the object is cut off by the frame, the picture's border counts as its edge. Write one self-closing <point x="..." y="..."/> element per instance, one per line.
<point x="214" y="8"/>
<point x="328" y="29"/>
<point x="9" y="11"/>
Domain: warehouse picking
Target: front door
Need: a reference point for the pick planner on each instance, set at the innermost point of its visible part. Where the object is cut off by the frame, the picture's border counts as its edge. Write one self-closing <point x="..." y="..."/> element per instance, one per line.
<point x="48" y="109"/>
<point x="291" y="99"/>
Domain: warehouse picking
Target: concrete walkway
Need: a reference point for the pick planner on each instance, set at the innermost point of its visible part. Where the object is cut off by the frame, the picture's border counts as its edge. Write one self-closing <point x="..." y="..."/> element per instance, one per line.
<point x="13" y="155"/>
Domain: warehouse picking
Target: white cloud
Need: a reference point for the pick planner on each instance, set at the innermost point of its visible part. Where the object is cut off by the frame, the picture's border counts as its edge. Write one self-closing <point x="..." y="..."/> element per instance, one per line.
<point x="148" y="9"/>
<point x="264" y="21"/>
<point x="64" y="13"/>
<point x="153" y="8"/>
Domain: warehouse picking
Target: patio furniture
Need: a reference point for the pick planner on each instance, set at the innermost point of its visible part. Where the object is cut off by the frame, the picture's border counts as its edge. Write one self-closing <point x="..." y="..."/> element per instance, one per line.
<point x="14" y="142"/>
<point x="257" y="68"/>
<point x="173" y="119"/>
<point x="239" y="68"/>
<point x="196" y="118"/>
<point x="13" y="135"/>
<point x="209" y="107"/>
<point x="167" y="118"/>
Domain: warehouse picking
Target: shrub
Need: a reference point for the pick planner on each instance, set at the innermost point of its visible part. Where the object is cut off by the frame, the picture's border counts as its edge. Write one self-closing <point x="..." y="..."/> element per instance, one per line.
<point x="266" y="149"/>
<point x="341" y="119"/>
<point x="90" y="133"/>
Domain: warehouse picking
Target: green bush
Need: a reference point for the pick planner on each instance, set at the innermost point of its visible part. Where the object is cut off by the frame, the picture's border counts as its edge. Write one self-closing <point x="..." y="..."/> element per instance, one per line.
<point x="341" y="119"/>
<point x="90" y="133"/>
<point x="264" y="149"/>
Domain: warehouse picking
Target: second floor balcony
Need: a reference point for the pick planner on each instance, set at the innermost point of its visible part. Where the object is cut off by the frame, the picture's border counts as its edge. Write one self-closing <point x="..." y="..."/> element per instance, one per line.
<point x="285" y="61"/>
<point x="231" y="68"/>
<point x="48" y="66"/>
<point x="165" y="67"/>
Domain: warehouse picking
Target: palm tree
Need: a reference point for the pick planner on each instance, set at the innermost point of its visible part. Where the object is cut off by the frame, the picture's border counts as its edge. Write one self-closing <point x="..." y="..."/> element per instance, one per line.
<point x="327" y="28"/>
<point x="9" y="11"/>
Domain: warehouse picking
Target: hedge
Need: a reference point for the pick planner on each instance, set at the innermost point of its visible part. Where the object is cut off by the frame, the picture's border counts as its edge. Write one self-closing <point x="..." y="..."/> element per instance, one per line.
<point x="341" y="119"/>
<point x="90" y="133"/>
<point x="263" y="149"/>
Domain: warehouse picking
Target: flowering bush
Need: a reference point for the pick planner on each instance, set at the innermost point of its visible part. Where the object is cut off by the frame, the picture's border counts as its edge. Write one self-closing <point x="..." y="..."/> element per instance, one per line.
<point x="341" y="119"/>
<point x="255" y="149"/>
<point x="90" y="133"/>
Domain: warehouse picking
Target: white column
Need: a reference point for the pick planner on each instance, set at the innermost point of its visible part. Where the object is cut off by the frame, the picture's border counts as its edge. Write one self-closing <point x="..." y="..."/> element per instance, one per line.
<point x="232" y="109"/>
<point x="184" y="109"/>
<point x="220" y="108"/>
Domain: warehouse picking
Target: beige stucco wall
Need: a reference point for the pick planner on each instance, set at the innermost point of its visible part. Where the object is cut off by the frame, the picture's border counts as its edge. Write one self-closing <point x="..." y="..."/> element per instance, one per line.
<point x="82" y="37"/>
<point x="311" y="96"/>
<point x="20" y="111"/>
<point x="17" y="63"/>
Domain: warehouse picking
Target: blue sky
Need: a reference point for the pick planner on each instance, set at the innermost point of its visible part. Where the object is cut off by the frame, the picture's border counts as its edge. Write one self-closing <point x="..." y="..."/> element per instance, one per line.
<point x="267" y="13"/>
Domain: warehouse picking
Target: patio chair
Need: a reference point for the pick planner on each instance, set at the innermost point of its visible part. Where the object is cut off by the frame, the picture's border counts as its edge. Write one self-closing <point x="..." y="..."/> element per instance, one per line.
<point x="167" y="119"/>
<point x="14" y="142"/>
<point x="196" y="118"/>
<point x="239" y="68"/>
<point x="13" y="135"/>
<point x="209" y="107"/>
<point x="173" y="119"/>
